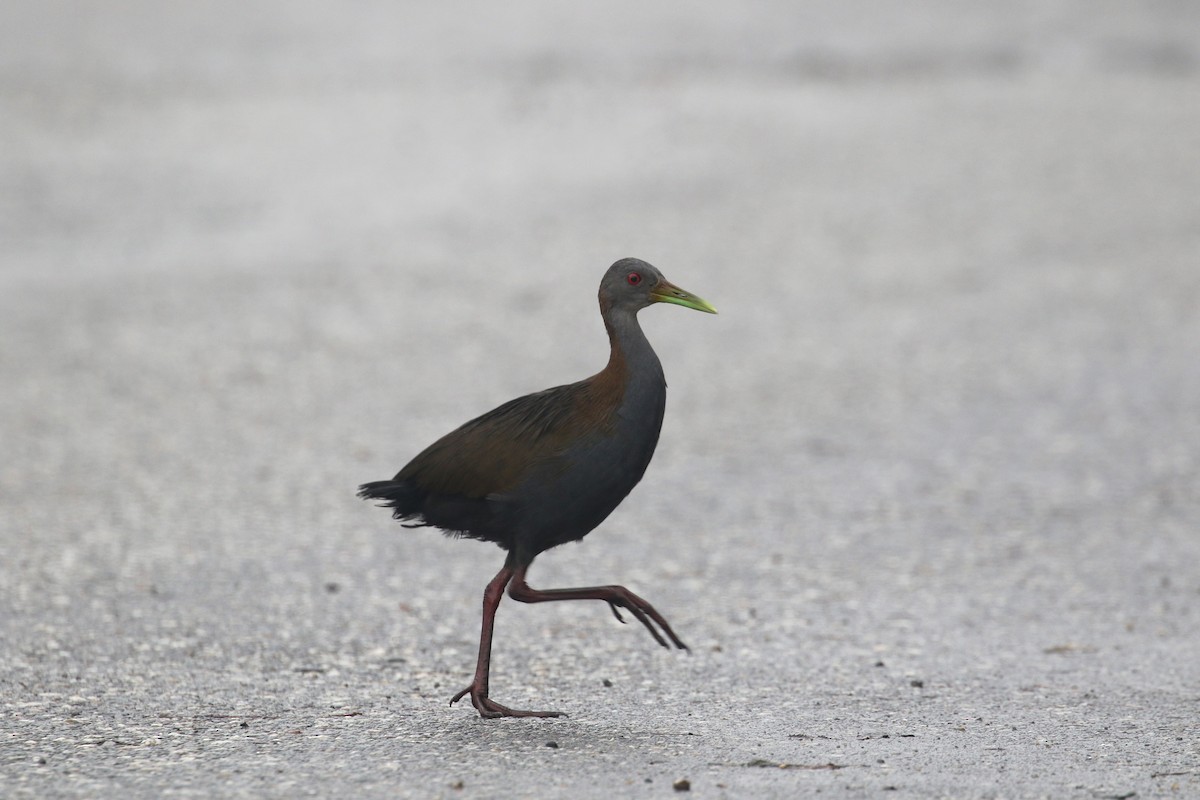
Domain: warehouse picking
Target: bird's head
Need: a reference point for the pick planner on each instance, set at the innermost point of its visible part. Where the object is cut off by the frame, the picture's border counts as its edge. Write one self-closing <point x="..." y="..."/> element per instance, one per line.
<point x="631" y="284"/>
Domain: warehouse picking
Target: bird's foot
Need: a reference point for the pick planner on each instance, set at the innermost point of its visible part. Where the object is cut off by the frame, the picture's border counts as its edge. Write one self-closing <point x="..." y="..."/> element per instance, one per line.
<point x="490" y="709"/>
<point x="619" y="597"/>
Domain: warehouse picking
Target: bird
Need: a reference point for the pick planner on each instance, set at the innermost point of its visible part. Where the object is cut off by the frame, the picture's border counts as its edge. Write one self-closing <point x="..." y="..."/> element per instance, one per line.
<point x="547" y="468"/>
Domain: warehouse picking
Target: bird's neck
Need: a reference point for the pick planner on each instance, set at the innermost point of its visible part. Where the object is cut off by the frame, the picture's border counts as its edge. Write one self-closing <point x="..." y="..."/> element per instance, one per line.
<point x="631" y="360"/>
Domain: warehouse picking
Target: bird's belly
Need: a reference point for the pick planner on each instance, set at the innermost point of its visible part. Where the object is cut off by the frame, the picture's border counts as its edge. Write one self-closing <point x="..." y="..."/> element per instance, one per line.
<point x="564" y="500"/>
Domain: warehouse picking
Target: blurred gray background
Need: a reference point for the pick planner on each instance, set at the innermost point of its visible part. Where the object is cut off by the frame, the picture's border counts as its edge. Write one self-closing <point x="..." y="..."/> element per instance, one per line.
<point x="927" y="498"/>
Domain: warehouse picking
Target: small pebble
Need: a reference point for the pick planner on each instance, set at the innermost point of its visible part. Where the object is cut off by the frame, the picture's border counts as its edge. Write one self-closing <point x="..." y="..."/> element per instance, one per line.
<point x="552" y="744"/>
<point x="607" y="683"/>
<point x="682" y="785"/>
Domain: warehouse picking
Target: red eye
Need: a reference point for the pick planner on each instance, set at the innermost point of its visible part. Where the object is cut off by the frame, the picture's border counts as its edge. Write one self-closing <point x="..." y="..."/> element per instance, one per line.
<point x="633" y="278"/>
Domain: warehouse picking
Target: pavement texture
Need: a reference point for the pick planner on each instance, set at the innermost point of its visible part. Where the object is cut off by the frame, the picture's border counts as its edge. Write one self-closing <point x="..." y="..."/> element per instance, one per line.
<point x="927" y="501"/>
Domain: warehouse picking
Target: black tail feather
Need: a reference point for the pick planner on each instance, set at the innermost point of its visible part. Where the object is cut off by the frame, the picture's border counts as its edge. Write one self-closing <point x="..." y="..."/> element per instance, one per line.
<point x="473" y="517"/>
<point x="405" y="499"/>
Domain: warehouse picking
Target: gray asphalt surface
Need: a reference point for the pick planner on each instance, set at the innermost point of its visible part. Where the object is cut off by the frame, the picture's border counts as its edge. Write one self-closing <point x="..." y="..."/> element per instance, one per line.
<point x="927" y="500"/>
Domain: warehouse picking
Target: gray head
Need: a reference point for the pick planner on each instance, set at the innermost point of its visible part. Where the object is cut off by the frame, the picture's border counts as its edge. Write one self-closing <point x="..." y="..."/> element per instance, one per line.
<point x="631" y="284"/>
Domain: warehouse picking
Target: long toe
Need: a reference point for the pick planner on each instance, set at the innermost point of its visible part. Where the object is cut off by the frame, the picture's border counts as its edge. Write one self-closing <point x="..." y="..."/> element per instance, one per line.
<point x="490" y="709"/>
<point x="494" y="710"/>
<point x="643" y="612"/>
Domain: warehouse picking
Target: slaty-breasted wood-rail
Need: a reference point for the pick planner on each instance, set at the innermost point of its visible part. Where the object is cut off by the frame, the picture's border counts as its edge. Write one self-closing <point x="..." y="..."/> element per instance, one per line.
<point x="547" y="468"/>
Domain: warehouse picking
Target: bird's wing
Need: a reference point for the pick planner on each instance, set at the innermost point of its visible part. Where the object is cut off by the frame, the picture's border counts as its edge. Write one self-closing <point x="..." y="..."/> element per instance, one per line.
<point x="493" y="452"/>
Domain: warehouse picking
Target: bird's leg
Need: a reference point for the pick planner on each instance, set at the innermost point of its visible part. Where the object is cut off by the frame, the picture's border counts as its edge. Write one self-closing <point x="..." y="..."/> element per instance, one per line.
<point x="617" y="597"/>
<point x="478" y="689"/>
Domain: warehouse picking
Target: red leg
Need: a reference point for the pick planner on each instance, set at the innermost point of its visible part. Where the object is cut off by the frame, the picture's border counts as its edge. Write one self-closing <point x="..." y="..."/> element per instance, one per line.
<point x="478" y="689"/>
<point x="617" y="597"/>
